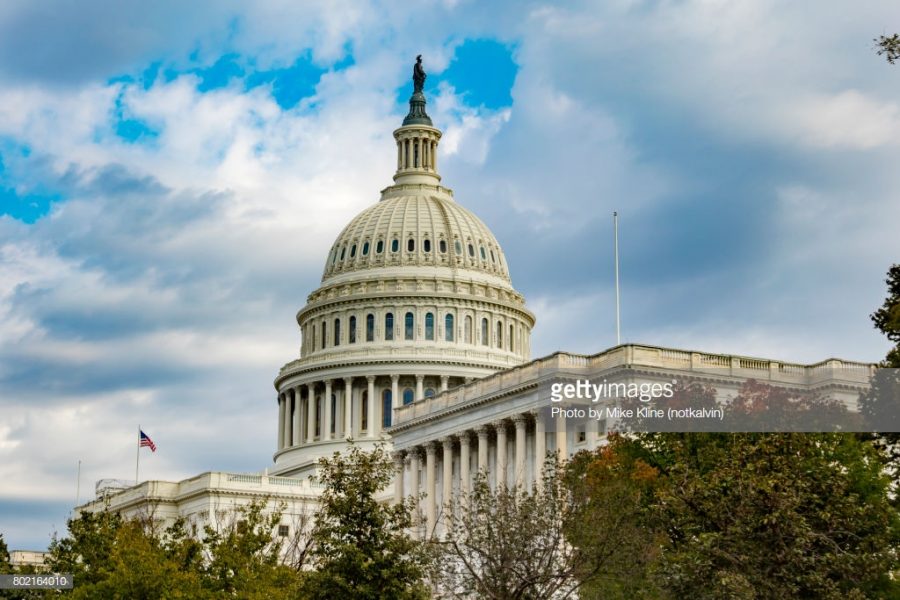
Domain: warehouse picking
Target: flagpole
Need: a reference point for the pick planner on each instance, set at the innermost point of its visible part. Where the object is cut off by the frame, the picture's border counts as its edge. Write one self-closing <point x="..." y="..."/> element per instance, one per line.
<point x="137" y="460"/>
<point x="616" y="235"/>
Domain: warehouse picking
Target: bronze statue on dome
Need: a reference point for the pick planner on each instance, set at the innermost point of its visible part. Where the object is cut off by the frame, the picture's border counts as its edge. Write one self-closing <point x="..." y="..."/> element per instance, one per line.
<point x="418" y="76"/>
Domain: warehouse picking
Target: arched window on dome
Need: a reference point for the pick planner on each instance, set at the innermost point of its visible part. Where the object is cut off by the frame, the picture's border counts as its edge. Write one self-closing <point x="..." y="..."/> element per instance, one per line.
<point x="410" y="245"/>
<point x="493" y="260"/>
<point x="364" y="411"/>
<point x="448" y="327"/>
<point x="395" y="245"/>
<point x="324" y="333"/>
<point x="351" y="330"/>
<point x="386" y="408"/>
<point x="499" y="334"/>
<point x="334" y="254"/>
<point x="379" y="247"/>
<point x="429" y="326"/>
<point x="484" y="333"/>
<point x="343" y="252"/>
<point x="471" y="251"/>
<point x="337" y="332"/>
<point x="512" y="338"/>
<point x="370" y="328"/>
<point x="457" y="246"/>
<point x="442" y="246"/>
<point x="389" y="326"/>
<point x="365" y="249"/>
<point x="468" y="330"/>
<point x="426" y="245"/>
<point x="409" y="326"/>
<point x="353" y="251"/>
<point x="483" y="255"/>
<point x="429" y="392"/>
<point x="313" y="346"/>
<point x="408" y="396"/>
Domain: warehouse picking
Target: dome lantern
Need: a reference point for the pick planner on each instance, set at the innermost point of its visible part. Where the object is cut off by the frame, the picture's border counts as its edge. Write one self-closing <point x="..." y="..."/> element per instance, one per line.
<point x="417" y="139"/>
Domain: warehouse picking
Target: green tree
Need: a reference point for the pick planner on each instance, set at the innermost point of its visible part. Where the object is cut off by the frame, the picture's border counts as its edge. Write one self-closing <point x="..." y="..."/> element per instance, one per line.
<point x="889" y="47"/>
<point x="361" y="546"/>
<point x="880" y="405"/>
<point x="610" y="522"/>
<point x="771" y="515"/>
<point x="5" y="567"/>
<point x="114" y="558"/>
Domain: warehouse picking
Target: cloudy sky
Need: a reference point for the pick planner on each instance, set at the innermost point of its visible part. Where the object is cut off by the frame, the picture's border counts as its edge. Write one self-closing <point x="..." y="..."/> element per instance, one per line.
<point x="172" y="175"/>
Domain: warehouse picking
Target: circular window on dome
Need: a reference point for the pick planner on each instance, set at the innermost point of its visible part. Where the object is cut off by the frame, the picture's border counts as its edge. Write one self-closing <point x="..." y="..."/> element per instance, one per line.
<point x="395" y="245"/>
<point x="366" y="249"/>
<point x="379" y="247"/>
<point x="426" y="245"/>
<point x="353" y="250"/>
<point x="471" y="250"/>
<point x="458" y="247"/>
<point x="442" y="246"/>
<point x="410" y="245"/>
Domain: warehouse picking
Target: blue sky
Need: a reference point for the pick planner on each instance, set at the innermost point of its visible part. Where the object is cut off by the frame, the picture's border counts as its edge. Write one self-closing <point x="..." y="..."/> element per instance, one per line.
<point x="172" y="176"/>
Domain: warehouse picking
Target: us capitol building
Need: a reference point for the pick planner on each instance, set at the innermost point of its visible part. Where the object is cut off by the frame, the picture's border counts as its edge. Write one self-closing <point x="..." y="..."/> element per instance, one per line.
<point x="416" y="338"/>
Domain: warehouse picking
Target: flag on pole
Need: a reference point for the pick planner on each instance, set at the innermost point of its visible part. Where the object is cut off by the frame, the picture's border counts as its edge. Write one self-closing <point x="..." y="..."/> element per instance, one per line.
<point x="146" y="441"/>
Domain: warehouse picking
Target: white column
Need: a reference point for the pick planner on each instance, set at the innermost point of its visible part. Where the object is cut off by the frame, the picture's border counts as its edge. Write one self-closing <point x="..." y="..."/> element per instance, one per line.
<point x="483" y="432"/>
<point x="444" y="380"/>
<point x="297" y="436"/>
<point x="395" y="392"/>
<point x="434" y="157"/>
<point x="430" y="486"/>
<point x="520" y="422"/>
<point x="310" y="413"/>
<point x="447" y="482"/>
<point x="373" y="421"/>
<point x="280" y="422"/>
<point x="464" y="460"/>
<point x="326" y="423"/>
<point x="502" y="478"/>
<point x="286" y="424"/>
<point x="414" y="477"/>
<point x="399" y="464"/>
<point x="593" y="433"/>
<point x="420" y="388"/>
<point x="561" y="441"/>
<point x="540" y="448"/>
<point x="348" y="407"/>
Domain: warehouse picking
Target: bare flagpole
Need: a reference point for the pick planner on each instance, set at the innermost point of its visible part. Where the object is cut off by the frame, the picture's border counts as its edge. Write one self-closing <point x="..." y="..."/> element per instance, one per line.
<point x="137" y="460"/>
<point x="616" y="235"/>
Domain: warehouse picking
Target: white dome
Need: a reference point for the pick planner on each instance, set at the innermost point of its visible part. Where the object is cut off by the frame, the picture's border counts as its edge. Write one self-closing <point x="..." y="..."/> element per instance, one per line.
<point x="416" y="229"/>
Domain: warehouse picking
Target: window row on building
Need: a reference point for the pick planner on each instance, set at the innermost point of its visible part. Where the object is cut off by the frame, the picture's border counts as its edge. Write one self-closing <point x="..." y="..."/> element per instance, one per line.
<point x="346" y="254"/>
<point x="324" y="333"/>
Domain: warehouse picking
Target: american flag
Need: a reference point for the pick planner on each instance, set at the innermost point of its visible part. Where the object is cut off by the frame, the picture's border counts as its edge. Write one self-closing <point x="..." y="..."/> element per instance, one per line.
<point x="146" y="441"/>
